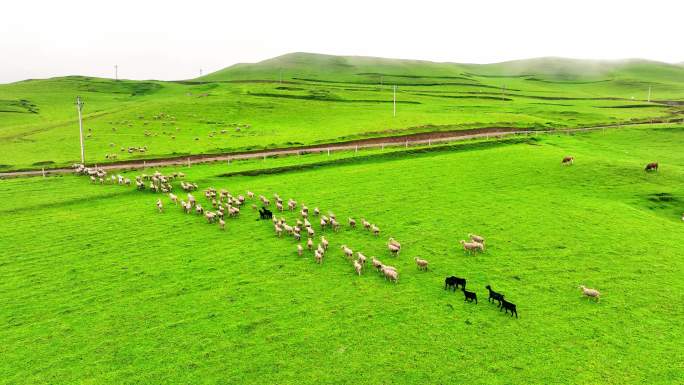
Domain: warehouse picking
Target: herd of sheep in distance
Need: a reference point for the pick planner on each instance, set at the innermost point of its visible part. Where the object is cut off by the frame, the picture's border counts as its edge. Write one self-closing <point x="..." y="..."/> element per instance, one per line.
<point x="224" y="205"/>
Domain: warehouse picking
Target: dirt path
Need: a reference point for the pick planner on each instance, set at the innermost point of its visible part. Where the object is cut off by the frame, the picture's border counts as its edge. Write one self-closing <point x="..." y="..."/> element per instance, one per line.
<point x="406" y="140"/>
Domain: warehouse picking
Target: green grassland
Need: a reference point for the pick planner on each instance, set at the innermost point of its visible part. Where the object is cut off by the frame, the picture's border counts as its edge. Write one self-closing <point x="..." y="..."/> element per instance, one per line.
<point x="97" y="287"/>
<point x="302" y="99"/>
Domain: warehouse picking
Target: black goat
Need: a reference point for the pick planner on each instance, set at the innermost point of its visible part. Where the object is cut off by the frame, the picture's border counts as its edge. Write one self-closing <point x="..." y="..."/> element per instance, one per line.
<point x="509" y="306"/>
<point x="265" y="213"/>
<point x="454" y="282"/>
<point x="494" y="296"/>
<point x="469" y="296"/>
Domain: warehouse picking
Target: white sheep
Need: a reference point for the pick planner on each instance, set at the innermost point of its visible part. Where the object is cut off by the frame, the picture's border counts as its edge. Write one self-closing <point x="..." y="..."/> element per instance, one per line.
<point x="319" y="257"/>
<point x="352" y="222"/>
<point x="324" y="242"/>
<point x="390" y="274"/>
<point x="309" y="244"/>
<point x="160" y="207"/>
<point x="347" y="251"/>
<point x="361" y="258"/>
<point x="470" y="247"/>
<point x="591" y="293"/>
<point x="310" y="231"/>
<point x="421" y="263"/>
<point x="317" y="212"/>
<point x="173" y="198"/>
<point x="375" y="229"/>
<point x="300" y="250"/>
<point x="358" y="267"/>
<point x="376" y="263"/>
<point x="366" y="224"/>
<point x="477" y="238"/>
<point x="222" y="224"/>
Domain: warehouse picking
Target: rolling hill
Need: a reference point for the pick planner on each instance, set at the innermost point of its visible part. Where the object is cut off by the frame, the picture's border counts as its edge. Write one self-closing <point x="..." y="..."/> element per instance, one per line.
<point x="303" y="99"/>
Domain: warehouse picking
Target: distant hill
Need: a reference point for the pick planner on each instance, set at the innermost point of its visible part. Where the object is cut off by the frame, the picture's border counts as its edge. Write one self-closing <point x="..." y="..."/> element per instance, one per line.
<point x="362" y="69"/>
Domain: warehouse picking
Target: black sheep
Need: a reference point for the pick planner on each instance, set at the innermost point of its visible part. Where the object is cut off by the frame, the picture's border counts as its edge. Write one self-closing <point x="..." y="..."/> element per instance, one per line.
<point x="454" y="282"/>
<point x="494" y="296"/>
<point x="509" y="306"/>
<point x="265" y="213"/>
<point x="469" y="296"/>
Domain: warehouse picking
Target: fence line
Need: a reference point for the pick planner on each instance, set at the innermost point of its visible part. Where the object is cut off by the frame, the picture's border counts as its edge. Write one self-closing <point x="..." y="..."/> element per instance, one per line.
<point x="329" y="149"/>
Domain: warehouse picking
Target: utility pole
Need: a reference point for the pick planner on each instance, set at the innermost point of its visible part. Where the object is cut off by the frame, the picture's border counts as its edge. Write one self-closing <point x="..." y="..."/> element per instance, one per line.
<point x="394" y="101"/>
<point x="79" y="107"/>
<point x="116" y="72"/>
<point x="200" y="72"/>
<point x="649" y="94"/>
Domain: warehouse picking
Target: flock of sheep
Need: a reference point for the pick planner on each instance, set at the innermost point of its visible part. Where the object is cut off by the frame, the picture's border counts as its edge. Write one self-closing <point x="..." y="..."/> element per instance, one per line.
<point x="224" y="205"/>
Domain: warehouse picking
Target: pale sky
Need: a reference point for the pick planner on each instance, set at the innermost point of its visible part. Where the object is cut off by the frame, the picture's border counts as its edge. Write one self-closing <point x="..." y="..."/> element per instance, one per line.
<point x="174" y="39"/>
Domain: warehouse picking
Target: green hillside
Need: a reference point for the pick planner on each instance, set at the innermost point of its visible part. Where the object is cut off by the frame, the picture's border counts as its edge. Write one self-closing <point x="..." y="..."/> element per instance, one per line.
<point x="321" y="99"/>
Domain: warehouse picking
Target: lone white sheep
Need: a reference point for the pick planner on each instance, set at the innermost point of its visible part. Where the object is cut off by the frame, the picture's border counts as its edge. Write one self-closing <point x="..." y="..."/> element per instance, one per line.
<point x="421" y="263"/>
<point x="591" y="293"/>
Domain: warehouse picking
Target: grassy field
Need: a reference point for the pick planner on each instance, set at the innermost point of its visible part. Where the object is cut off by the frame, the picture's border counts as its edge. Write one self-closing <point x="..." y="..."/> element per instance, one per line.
<point x="321" y="99"/>
<point x="97" y="287"/>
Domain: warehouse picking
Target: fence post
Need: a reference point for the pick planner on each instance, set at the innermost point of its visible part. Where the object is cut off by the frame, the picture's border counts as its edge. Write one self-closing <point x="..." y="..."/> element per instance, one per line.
<point x="429" y="142"/>
<point x="188" y="162"/>
<point x="43" y="172"/>
<point x="383" y="147"/>
<point x="356" y="151"/>
<point x="406" y="146"/>
<point x="328" y="151"/>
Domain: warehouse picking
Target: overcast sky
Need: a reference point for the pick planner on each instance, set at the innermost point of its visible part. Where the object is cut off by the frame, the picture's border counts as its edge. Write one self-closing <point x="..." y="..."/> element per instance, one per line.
<point x="174" y="39"/>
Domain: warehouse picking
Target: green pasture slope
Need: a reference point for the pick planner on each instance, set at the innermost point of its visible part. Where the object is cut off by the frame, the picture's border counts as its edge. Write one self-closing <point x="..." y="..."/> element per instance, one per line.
<point x="97" y="287"/>
<point x="302" y="99"/>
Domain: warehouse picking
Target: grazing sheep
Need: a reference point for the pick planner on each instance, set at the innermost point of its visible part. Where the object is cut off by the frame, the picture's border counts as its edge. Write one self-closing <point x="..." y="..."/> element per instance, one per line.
<point x="361" y="258"/>
<point x="309" y="244"/>
<point x="334" y="224"/>
<point x="390" y="274"/>
<point x="324" y="222"/>
<point x="366" y="224"/>
<point x="394" y="242"/>
<point x="375" y="229"/>
<point x="421" y="263"/>
<point x="394" y="248"/>
<point x="494" y="296"/>
<point x="304" y="213"/>
<point x="347" y="251"/>
<point x="376" y="263"/>
<point x="568" y="160"/>
<point x="591" y="293"/>
<point x="324" y="242"/>
<point x="469" y="247"/>
<point x="358" y="266"/>
<point x="222" y="224"/>
<point x="160" y="207"/>
<point x="300" y="250"/>
<point x="310" y="232"/>
<point x="319" y="257"/>
<point x="316" y="212"/>
<point x="173" y="198"/>
<point x="352" y="222"/>
<point x="477" y="238"/>
<point x="653" y="166"/>
<point x="454" y="282"/>
<point x="191" y="200"/>
<point x="211" y="217"/>
<point x="250" y="194"/>
<point x="297" y="236"/>
<point x="280" y="207"/>
<point x="278" y="231"/>
<point x="508" y="306"/>
<point x="199" y="209"/>
<point x="470" y="296"/>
